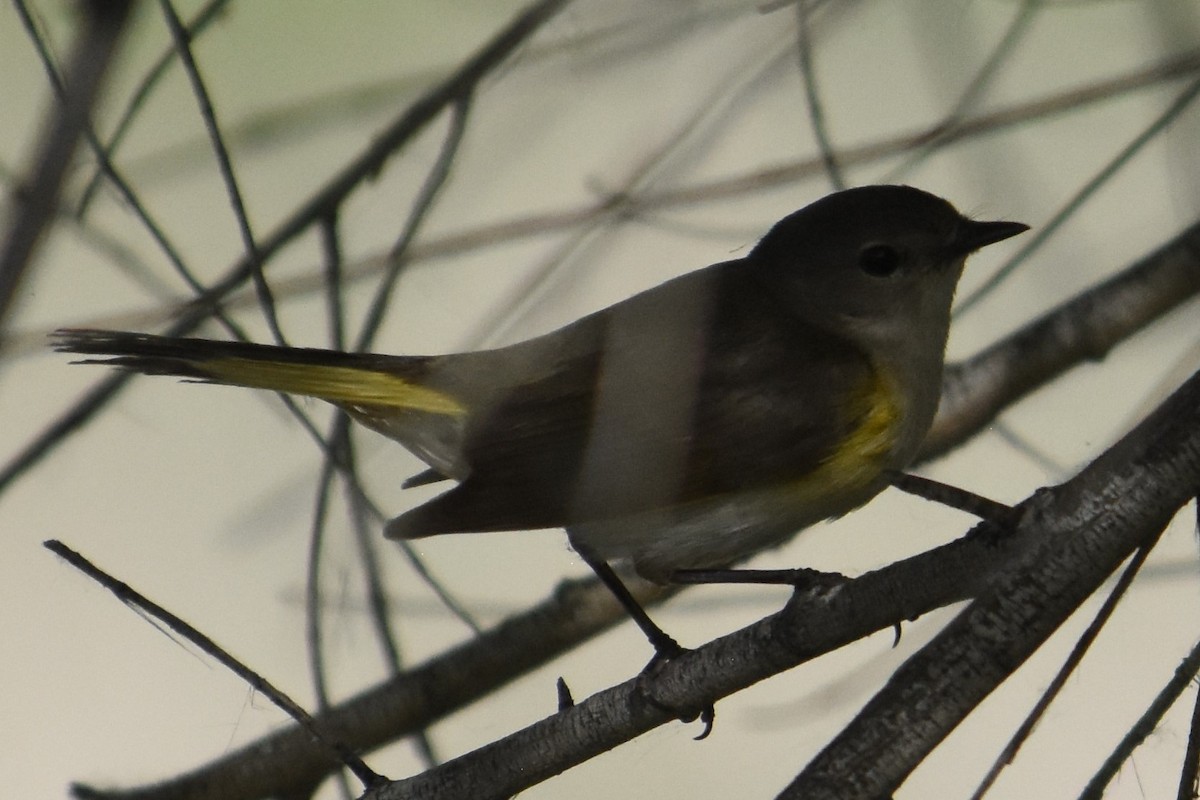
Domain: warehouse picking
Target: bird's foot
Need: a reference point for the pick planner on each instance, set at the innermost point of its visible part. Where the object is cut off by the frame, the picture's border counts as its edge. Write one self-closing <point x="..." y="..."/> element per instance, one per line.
<point x="666" y="650"/>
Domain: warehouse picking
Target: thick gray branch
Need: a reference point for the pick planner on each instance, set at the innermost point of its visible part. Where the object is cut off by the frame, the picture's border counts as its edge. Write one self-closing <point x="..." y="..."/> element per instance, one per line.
<point x="1069" y="540"/>
<point x="1085" y="528"/>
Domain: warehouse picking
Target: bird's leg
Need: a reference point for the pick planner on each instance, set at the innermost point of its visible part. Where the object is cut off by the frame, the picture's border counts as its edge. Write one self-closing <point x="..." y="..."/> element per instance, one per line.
<point x="665" y="646"/>
<point x="797" y="578"/>
<point x="954" y="497"/>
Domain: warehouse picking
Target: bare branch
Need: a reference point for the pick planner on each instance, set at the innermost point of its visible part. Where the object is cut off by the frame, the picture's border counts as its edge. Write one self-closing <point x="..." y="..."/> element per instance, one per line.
<point x="182" y="39"/>
<point x="1085" y="529"/>
<point x="131" y="597"/>
<point x="104" y="22"/>
<point x="1082" y="645"/>
<point x="1070" y="538"/>
<point x="288" y="761"/>
<point x="1185" y="675"/>
<point x="312" y="212"/>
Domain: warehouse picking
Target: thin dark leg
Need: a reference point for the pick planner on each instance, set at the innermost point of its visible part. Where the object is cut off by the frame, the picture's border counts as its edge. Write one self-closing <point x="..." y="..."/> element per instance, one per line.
<point x="798" y="578"/>
<point x="954" y="497"/>
<point x="665" y="647"/>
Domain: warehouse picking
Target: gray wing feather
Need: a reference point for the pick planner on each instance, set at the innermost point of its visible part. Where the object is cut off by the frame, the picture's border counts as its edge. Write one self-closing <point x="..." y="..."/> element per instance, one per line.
<point x="760" y="406"/>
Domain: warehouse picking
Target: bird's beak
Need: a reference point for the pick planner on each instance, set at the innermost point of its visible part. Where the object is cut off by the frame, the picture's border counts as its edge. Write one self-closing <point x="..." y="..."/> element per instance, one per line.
<point x="972" y="235"/>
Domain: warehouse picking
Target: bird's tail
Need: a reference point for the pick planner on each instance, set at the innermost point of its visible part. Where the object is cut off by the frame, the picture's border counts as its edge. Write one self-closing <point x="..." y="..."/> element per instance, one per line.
<point x="348" y="379"/>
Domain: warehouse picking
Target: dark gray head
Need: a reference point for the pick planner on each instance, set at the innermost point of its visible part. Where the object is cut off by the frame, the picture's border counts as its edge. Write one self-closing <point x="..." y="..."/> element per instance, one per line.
<point x="874" y="255"/>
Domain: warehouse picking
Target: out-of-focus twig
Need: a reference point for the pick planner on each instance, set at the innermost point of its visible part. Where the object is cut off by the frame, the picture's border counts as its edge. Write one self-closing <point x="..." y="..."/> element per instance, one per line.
<point x="98" y="39"/>
<point x="1082" y="329"/>
<point x="129" y="596"/>
<point x="313" y="211"/>
<point x="1185" y="676"/>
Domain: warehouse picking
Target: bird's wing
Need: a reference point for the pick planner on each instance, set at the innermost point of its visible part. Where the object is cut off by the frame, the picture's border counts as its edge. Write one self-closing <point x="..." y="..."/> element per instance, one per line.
<point x="674" y="414"/>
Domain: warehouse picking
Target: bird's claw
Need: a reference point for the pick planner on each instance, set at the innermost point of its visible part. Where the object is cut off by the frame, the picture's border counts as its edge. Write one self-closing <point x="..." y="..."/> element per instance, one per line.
<point x="665" y="652"/>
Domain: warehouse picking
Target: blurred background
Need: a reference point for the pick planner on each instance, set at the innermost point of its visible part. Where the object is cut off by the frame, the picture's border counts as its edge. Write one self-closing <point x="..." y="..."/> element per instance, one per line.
<point x="620" y="144"/>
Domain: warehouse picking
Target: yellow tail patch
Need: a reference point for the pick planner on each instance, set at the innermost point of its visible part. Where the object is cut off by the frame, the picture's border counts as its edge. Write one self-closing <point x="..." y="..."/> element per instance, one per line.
<point x="351" y="386"/>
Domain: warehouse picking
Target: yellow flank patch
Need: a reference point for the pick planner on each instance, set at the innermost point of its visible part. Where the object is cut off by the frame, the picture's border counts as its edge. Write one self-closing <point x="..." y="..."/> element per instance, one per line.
<point x="335" y="384"/>
<point x="864" y="453"/>
<point x="870" y="444"/>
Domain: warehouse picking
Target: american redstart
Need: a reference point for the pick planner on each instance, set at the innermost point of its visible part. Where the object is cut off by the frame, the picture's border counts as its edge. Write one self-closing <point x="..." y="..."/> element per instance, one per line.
<point x="686" y="427"/>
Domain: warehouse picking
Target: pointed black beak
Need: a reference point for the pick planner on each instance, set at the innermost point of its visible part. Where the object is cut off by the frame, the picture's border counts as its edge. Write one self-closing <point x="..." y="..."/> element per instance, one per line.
<point x="972" y="235"/>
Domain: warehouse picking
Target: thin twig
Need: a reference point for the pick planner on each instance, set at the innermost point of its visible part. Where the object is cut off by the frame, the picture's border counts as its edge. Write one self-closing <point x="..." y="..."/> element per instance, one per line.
<point x="1068" y="668"/>
<point x="314" y="639"/>
<point x="1080" y="198"/>
<point x="131" y="597"/>
<point x="209" y="114"/>
<point x="99" y="35"/>
<point x="313" y="604"/>
<point x="1189" y="773"/>
<point x="378" y="603"/>
<point x="812" y="97"/>
<point x="1184" y="675"/>
<point x="430" y="189"/>
<point x="198" y="25"/>
<point x="334" y="264"/>
<point x="318" y="207"/>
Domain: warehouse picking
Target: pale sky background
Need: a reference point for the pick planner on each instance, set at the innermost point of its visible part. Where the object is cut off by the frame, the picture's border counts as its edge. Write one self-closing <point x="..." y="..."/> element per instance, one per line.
<point x="202" y="497"/>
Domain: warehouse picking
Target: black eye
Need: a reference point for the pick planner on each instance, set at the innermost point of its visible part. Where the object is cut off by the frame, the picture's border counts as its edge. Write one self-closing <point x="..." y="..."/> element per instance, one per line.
<point x="879" y="260"/>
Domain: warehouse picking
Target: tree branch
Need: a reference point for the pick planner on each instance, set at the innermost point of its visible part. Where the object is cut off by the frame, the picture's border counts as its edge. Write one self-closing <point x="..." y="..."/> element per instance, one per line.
<point x="288" y="761"/>
<point x="1069" y="540"/>
<point x="1085" y="528"/>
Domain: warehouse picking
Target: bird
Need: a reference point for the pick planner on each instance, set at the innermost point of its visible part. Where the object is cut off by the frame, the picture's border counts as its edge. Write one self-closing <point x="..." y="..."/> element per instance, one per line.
<point x="687" y="427"/>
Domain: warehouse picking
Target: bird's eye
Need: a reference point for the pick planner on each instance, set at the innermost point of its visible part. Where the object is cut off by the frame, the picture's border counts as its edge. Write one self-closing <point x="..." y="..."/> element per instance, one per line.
<point x="879" y="260"/>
